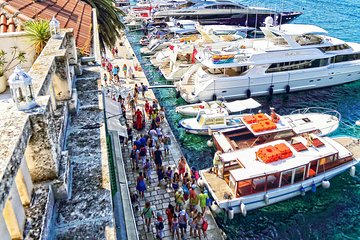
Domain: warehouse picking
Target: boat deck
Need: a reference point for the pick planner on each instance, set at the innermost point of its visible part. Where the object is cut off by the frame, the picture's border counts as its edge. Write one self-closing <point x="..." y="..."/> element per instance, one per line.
<point x="217" y="185"/>
<point x="352" y="144"/>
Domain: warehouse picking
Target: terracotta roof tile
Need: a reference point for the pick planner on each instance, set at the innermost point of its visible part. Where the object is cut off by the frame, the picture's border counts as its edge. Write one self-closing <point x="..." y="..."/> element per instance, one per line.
<point x="8" y="24"/>
<point x="70" y="13"/>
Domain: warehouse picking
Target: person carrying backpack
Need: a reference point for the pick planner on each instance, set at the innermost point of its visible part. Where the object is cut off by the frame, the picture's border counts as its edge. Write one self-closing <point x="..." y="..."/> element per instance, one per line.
<point x="183" y="218"/>
<point x="134" y="158"/>
<point x="142" y="154"/>
<point x="159" y="224"/>
<point x="167" y="143"/>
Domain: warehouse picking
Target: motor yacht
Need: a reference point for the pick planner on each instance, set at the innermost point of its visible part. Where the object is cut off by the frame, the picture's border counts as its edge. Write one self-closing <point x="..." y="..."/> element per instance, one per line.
<point x="224" y="12"/>
<point x="291" y="57"/>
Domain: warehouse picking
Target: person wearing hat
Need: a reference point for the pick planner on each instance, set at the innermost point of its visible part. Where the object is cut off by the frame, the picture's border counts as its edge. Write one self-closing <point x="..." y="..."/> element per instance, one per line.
<point x="179" y="199"/>
<point x="216" y="162"/>
<point x="183" y="219"/>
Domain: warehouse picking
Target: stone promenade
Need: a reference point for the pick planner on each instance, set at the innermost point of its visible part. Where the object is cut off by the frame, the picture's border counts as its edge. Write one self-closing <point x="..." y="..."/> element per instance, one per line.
<point x="159" y="197"/>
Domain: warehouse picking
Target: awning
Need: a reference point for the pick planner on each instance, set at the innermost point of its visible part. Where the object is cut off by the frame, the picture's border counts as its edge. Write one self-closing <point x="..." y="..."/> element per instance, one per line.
<point x="241" y="105"/>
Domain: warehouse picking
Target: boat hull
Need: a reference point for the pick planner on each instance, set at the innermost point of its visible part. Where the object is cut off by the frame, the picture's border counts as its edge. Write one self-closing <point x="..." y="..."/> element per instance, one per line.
<point x="255" y="201"/>
<point x="205" y="131"/>
<point x="238" y="88"/>
<point x="233" y="18"/>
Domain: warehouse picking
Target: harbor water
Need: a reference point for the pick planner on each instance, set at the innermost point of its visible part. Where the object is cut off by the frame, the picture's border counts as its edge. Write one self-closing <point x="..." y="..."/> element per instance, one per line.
<point x="325" y="214"/>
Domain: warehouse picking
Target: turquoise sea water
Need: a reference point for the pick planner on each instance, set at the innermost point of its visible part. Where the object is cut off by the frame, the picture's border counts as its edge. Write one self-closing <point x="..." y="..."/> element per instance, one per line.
<point x="326" y="214"/>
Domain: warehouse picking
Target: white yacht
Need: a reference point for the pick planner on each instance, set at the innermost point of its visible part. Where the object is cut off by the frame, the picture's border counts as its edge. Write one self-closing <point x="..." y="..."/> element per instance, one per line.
<point x="291" y="57"/>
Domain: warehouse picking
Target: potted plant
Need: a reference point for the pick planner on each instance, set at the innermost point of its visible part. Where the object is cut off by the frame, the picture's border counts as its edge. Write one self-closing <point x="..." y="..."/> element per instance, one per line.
<point x="7" y="65"/>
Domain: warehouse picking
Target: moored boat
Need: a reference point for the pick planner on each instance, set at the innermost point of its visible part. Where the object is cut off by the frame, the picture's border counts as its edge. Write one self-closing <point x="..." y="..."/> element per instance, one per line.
<point x="209" y="120"/>
<point x="316" y="120"/>
<point x="230" y="107"/>
<point x="293" y="57"/>
<point x="269" y="173"/>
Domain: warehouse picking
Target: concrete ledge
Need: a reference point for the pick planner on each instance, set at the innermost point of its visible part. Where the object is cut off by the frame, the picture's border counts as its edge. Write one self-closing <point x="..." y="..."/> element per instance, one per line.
<point x="122" y="197"/>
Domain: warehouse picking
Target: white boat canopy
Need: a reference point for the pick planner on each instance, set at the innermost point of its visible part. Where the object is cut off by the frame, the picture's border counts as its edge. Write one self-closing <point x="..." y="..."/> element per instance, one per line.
<point x="298" y="30"/>
<point x="241" y="105"/>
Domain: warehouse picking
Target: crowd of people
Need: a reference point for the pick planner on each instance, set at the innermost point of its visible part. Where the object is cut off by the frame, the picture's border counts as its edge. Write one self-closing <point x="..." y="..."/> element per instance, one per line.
<point x="148" y="151"/>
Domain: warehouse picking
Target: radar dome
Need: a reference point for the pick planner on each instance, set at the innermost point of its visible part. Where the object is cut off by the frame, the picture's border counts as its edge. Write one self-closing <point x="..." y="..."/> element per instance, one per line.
<point x="269" y="21"/>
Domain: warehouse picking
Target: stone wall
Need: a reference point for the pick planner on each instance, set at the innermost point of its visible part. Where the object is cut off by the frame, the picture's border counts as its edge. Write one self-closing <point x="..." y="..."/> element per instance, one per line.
<point x="21" y="40"/>
<point x="47" y="218"/>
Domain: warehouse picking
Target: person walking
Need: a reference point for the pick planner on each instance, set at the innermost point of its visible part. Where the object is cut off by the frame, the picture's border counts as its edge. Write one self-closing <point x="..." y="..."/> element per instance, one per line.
<point x="192" y="221"/>
<point x="124" y="70"/>
<point x="133" y="158"/>
<point x="159" y="225"/>
<point x="105" y="78"/>
<point x="167" y="143"/>
<point x="136" y="93"/>
<point x="131" y="73"/>
<point x="158" y="158"/>
<point x="141" y="185"/>
<point x="179" y="200"/>
<point x="175" y="181"/>
<point x="129" y="134"/>
<point x="144" y="88"/>
<point x="170" y="212"/>
<point x="143" y="155"/>
<point x="175" y="227"/>
<point x="194" y="200"/>
<point x="116" y="51"/>
<point x="201" y="225"/>
<point x="161" y="174"/>
<point x="139" y="119"/>
<point x="147" y="170"/>
<point x="147" y="213"/>
<point x="115" y="73"/>
<point x="183" y="219"/>
<point x="151" y="145"/>
<point x="182" y="166"/>
<point x="168" y="176"/>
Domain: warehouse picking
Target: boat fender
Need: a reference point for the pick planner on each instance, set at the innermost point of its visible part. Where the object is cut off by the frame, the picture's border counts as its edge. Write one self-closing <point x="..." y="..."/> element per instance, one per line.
<point x="215" y="208"/>
<point x="352" y="171"/>
<point x="313" y="187"/>
<point x="177" y="94"/>
<point x="266" y="199"/>
<point x="302" y="190"/>
<point x="248" y="93"/>
<point x="210" y="143"/>
<point x="287" y="88"/>
<point x="230" y="213"/>
<point x="243" y="209"/>
<point x="214" y="97"/>
<point x="271" y="91"/>
<point x="325" y="184"/>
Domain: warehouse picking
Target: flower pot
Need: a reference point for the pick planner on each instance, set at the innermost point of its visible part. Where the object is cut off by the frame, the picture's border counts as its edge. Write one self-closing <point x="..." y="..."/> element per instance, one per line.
<point x="3" y="84"/>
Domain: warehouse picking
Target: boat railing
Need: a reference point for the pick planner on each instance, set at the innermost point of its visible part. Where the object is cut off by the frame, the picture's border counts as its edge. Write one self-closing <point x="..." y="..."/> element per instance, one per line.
<point x="323" y="111"/>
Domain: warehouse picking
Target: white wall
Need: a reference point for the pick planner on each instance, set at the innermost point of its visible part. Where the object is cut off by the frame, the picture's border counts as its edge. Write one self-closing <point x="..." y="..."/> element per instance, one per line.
<point x="20" y="40"/>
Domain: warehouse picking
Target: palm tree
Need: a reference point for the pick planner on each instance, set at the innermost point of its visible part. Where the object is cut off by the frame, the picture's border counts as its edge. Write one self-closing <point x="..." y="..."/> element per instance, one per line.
<point x="39" y="32"/>
<point x="108" y="17"/>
